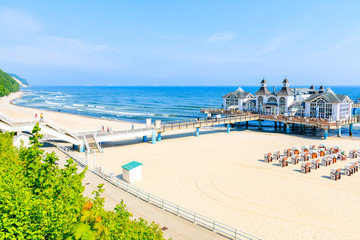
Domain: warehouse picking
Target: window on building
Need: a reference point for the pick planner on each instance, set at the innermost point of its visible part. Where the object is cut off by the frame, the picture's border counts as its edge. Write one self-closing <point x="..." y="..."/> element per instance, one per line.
<point x="282" y="105"/>
<point x="272" y="100"/>
<point x="344" y="110"/>
<point x="231" y="101"/>
<point x="321" y="109"/>
<point x="260" y="102"/>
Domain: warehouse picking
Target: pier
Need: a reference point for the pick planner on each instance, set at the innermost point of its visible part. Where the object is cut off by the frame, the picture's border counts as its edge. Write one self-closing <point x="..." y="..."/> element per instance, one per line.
<point x="92" y="140"/>
<point x="316" y="123"/>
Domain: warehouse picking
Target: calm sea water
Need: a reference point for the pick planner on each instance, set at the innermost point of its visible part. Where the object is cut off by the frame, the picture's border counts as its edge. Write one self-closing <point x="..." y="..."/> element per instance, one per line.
<point x="138" y="103"/>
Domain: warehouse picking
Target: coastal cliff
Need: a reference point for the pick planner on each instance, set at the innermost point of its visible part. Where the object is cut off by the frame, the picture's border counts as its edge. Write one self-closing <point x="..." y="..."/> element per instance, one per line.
<point x="21" y="81"/>
<point x="7" y="84"/>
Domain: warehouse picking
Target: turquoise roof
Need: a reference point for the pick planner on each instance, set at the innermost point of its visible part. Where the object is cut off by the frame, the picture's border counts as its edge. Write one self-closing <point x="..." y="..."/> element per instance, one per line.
<point x="131" y="165"/>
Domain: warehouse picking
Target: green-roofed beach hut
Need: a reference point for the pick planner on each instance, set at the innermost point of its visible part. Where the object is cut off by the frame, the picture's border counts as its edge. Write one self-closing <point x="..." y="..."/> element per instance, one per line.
<point x="132" y="171"/>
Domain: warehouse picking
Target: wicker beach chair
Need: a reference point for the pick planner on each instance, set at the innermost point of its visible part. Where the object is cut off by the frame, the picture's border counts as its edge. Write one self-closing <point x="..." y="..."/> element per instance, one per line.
<point x="305" y="167"/>
<point x="335" y="174"/>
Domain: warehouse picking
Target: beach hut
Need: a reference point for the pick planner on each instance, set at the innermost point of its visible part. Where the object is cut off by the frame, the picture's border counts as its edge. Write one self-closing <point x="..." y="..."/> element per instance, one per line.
<point x="305" y="167"/>
<point x="304" y="149"/>
<point x="283" y="162"/>
<point x="325" y="161"/>
<point x="21" y="138"/>
<point x="312" y="147"/>
<point x="305" y="157"/>
<point x="314" y="154"/>
<point x="333" y="158"/>
<point x="353" y="154"/>
<point x="342" y="156"/>
<point x="295" y="150"/>
<point x="335" y="174"/>
<point x="322" y="146"/>
<point x="349" y="169"/>
<point x="268" y="158"/>
<point x="356" y="166"/>
<point x="321" y="152"/>
<point x="132" y="171"/>
<point x="295" y="159"/>
<point x="287" y="152"/>
<point x="315" y="163"/>
<point x="329" y="151"/>
<point x="276" y="155"/>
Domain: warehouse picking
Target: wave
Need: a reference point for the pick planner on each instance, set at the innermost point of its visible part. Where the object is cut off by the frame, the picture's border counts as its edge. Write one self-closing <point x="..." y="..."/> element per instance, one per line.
<point x="78" y="105"/>
<point x="69" y="107"/>
<point x="52" y="103"/>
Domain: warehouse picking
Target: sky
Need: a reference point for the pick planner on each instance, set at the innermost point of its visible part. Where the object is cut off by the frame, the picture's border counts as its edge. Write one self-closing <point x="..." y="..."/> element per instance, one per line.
<point x="181" y="42"/>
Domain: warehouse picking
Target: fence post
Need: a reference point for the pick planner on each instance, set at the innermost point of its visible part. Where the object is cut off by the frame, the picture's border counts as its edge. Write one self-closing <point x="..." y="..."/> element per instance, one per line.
<point x="137" y="192"/>
<point x="162" y="204"/>
<point x="213" y="229"/>
<point x="194" y="217"/>
<point x="177" y="210"/>
<point x="235" y="235"/>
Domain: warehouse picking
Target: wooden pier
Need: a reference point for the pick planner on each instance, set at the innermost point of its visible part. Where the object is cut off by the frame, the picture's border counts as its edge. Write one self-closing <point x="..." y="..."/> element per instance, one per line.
<point x="316" y="123"/>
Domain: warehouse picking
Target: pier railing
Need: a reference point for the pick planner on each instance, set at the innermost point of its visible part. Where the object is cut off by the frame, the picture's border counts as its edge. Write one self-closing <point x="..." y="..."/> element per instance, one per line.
<point x="203" y="122"/>
<point x="184" y="213"/>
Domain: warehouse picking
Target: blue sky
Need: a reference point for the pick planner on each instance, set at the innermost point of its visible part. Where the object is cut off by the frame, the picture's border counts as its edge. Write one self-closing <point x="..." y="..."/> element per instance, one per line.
<point x="183" y="42"/>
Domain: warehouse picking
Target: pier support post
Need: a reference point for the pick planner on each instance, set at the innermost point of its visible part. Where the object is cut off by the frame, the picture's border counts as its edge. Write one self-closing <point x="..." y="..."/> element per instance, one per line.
<point x="228" y="128"/>
<point x="314" y="129"/>
<point x="260" y="125"/>
<point x="82" y="148"/>
<point x="197" y="132"/>
<point x="339" y="132"/>
<point x="275" y="126"/>
<point x="144" y="138"/>
<point x="247" y="124"/>
<point x="153" y="137"/>
<point x="351" y="130"/>
<point x="326" y="133"/>
<point x="302" y="128"/>
<point x="287" y="128"/>
<point x="159" y="137"/>
<point x="293" y="126"/>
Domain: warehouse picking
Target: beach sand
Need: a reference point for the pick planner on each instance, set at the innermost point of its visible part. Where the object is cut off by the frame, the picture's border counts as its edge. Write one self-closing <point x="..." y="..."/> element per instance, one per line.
<point x="223" y="176"/>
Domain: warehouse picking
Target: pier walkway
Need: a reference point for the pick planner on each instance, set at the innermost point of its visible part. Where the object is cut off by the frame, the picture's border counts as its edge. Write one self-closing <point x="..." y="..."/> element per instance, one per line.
<point x="93" y="140"/>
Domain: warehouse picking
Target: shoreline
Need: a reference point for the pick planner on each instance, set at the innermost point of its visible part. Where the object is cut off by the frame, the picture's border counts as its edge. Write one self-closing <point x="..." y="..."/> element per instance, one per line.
<point x="23" y="93"/>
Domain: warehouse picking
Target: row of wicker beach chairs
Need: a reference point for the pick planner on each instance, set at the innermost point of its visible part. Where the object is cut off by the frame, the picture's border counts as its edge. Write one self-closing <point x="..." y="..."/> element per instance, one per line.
<point x="313" y="157"/>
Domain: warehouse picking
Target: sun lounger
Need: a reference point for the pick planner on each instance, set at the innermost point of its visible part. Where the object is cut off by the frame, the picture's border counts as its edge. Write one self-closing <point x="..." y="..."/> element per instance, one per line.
<point x="305" y="167"/>
<point x="335" y="174"/>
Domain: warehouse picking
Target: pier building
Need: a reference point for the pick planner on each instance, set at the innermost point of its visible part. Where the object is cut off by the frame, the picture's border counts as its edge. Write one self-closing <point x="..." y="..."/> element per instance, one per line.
<point x="300" y="102"/>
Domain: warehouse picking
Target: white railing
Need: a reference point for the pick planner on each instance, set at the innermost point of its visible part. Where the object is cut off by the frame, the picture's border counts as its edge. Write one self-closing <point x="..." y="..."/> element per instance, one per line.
<point x="98" y="145"/>
<point x="170" y="207"/>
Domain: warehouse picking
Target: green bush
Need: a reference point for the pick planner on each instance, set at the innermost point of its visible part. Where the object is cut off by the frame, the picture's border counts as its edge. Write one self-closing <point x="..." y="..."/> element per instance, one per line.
<point x="39" y="200"/>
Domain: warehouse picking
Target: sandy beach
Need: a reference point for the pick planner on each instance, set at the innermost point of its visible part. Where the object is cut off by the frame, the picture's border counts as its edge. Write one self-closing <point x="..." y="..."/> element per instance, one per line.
<point x="223" y="176"/>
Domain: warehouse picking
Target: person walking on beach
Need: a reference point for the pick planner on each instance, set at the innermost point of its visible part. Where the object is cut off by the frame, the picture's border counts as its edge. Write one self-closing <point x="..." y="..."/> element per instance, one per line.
<point x="41" y="117"/>
<point x="35" y="115"/>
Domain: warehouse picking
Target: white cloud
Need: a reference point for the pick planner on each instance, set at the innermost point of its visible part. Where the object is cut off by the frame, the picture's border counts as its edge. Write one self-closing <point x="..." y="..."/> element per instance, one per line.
<point x="73" y="43"/>
<point x="16" y="22"/>
<point x="221" y="37"/>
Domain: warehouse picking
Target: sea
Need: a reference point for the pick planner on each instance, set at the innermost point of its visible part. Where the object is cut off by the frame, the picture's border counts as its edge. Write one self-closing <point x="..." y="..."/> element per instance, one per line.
<point x="135" y="104"/>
